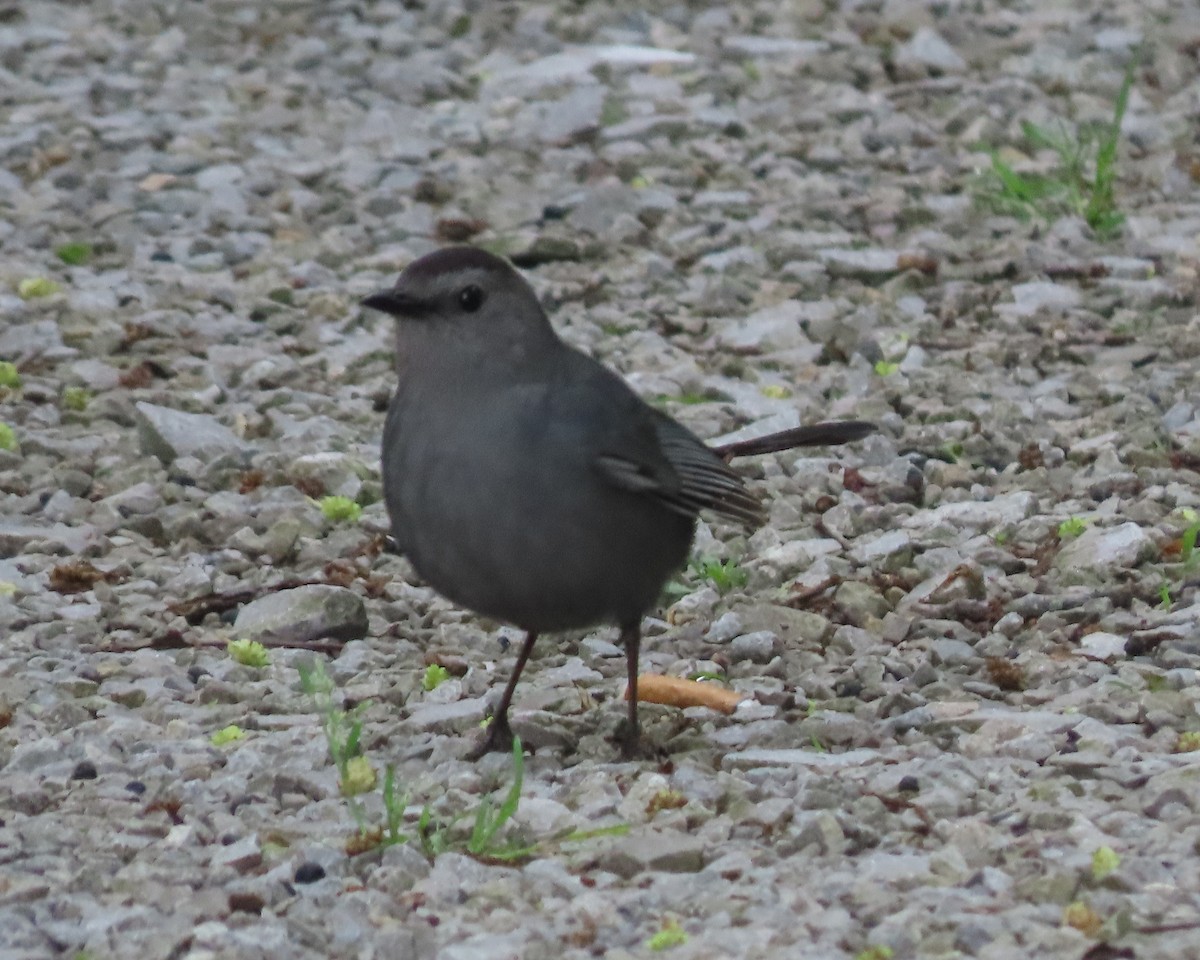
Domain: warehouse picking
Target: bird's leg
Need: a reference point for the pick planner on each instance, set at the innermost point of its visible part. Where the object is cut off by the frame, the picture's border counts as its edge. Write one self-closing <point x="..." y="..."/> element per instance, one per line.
<point x="630" y="737"/>
<point x="499" y="736"/>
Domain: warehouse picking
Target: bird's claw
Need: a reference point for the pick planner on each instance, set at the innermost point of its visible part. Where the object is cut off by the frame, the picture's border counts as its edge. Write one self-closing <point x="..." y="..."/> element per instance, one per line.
<point x="497" y="739"/>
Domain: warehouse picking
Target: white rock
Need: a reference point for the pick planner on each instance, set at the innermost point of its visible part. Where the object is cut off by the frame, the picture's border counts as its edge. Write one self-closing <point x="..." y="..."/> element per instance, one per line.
<point x="772" y="328"/>
<point x="927" y="50"/>
<point x="1102" y="646"/>
<point x="1008" y="508"/>
<point x="774" y="46"/>
<point x="1030" y="298"/>
<point x="863" y="264"/>
<point x="167" y="433"/>
<point x="885" y="545"/>
<point x="1099" y="551"/>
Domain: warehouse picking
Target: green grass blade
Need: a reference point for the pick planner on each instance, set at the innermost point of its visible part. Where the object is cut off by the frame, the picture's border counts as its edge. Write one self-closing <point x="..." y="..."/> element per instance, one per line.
<point x="484" y="828"/>
<point x="513" y="800"/>
<point x="578" y="836"/>
<point x="487" y="824"/>
<point x="1040" y="136"/>
<point x="1015" y="186"/>
<point x="1187" y="543"/>
<point x="393" y="807"/>
<point x="359" y="813"/>
<point x="352" y="746"/>
<point x="423" y="831"/>
<point x="1101" y="212"/>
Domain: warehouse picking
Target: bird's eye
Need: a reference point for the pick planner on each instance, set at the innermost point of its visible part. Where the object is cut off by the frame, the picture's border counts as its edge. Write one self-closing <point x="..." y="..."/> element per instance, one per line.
<point x="470" y="298"/>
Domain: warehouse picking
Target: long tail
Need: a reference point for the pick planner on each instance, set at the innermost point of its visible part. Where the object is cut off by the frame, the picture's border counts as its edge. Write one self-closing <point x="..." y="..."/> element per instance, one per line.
<point x="828" y="433"/>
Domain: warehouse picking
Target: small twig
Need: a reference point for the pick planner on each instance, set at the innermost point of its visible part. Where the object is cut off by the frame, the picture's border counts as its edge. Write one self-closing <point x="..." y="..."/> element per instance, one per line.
<point x="1076" y="271"/>
<point x="332" y="647"/>
<point x="801" y="595"/>
<point x="1169" y="927"/>
<point x="928" y="343"/>
<point x="197" y="608"/>
<point x="823" y="527"/>
<point x="175" y="640"/>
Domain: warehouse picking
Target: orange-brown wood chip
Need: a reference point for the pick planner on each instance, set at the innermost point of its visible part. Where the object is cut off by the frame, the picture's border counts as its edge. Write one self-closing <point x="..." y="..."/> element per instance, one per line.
<point x="677" y="692"/>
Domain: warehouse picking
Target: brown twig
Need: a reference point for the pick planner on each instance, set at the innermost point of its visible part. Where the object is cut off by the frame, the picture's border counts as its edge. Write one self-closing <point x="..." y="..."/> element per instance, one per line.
<point x="801" y="595"/>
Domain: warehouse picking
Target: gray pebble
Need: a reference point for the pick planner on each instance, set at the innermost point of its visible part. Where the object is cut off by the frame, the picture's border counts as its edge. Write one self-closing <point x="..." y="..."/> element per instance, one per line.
<point x="304" y="613"/>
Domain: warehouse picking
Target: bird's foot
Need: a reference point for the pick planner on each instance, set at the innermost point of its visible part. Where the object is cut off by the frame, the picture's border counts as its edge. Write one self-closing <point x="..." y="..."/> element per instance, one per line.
<point x="632" y="744"/>
<point x="497" y="739"/>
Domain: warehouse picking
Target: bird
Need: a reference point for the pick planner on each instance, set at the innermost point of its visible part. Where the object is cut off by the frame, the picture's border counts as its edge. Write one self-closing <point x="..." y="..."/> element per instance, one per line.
<point x="527" y="482"/>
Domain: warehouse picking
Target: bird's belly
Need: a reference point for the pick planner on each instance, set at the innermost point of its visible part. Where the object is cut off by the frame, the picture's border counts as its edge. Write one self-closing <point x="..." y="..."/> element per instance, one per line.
<point x="524" y="546"/>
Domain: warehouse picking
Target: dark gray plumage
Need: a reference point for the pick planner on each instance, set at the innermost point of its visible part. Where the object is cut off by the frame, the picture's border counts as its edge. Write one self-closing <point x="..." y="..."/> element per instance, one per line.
<point x="526" y="481"/>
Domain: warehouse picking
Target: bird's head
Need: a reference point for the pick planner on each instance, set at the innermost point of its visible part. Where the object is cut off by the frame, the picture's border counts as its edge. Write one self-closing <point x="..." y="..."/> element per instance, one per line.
<point x="467" y="293"/>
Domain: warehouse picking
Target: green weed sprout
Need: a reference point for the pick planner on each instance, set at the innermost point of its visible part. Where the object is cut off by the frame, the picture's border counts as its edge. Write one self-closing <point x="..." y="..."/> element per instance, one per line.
<point x="340" y="509"/>
<point x="1187" y="543"/>
<point x="228" y="735"/>
<point x="1164" y="596"/>
<point x="671" y="935"/>
<point x="725" y="575"/>
<point x="1071" y="528"/>
<point x="357" y="776"/>
<point x="74" y="254"/>
<point x="75" y="398"/>
<point x="489" y="823"/>
<point x="31" y="288"/>
<point x="360" y="777"/>
<point x="343" y="730"/>
<point x="249" y="653"/>
<point x="435" y="676"/>
<point x="952" y="451"/>
<point x="1083" y="184"/>
<point x="393" y="809"/>
<point x="1188" y="742"/>
<point x="1104" y="862"/>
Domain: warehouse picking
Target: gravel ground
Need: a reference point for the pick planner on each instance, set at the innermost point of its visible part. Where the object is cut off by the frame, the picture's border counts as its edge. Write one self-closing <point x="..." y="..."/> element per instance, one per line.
<point x="969" y="644"/>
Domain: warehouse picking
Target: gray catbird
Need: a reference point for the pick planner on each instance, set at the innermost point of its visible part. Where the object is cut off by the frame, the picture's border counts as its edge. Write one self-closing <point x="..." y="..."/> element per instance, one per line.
<point x="526" y="481"/>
